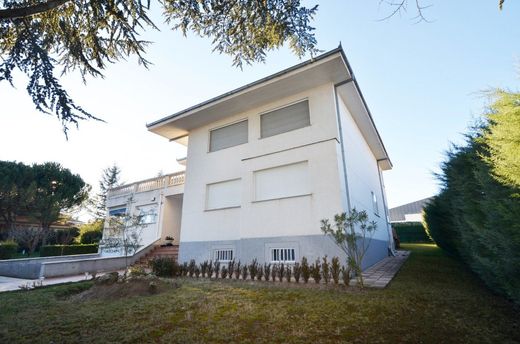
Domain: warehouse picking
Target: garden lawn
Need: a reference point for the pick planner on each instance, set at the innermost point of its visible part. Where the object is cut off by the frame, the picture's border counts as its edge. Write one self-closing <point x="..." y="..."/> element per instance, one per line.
<point x="433" y="299"/>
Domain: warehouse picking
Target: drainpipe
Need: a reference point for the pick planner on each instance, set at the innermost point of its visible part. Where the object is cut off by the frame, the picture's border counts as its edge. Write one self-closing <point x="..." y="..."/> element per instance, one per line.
<point x="340" y="128"/>
<point x="391" y="245"/>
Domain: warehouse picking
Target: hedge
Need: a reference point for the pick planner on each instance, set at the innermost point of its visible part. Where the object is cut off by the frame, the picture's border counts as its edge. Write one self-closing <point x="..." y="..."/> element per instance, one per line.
<point x="411" y="232"/>
<point x="8" y="249"/>
<point x="67" y="250"/>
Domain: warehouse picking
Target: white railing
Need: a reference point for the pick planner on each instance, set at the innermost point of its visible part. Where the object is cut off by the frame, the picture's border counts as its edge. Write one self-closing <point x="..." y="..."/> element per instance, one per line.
<point x="148" y="184"/>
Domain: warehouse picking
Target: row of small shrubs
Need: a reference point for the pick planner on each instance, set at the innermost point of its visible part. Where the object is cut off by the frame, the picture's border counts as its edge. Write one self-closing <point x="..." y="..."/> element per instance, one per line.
<point x="321" y="269"/>
<point x="8" y="249"/>
<point x="67" y="250"/>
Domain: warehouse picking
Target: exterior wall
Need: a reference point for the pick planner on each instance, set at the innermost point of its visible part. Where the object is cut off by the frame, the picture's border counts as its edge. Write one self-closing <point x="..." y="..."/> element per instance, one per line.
<point x="281" y="218"/>
<point x="172" y="214"/>
<point x="363" y="174"/>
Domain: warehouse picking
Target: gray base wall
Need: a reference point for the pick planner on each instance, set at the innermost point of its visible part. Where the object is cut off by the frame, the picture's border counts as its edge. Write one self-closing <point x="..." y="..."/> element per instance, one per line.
<point x="310" y="246"/>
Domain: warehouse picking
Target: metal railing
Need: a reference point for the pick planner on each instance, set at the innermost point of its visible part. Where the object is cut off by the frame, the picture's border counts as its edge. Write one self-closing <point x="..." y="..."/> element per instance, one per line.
<point x="149" y="184"/>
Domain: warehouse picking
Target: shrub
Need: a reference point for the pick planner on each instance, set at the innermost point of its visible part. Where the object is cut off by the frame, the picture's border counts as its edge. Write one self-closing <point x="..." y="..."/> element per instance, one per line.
<point x="316" y="271"/>
<point x="237" y="270"/>
<point x="281" y="272"/>
<point x="191" y="267"/>
<point x="260" y="273"/>
<point x="91" y="237"/>
<point x="210" y="269"/>
<point x="288" y="273"/>
<point x="204" y="268"/>
<point x="8" y="249"/>
<point x="244" y="272"/>
<point x="274" y="272"/>
<point x="411" y="232"/>
<point x="325" y="272"/>
<point x="224" y="272"/>
<point x="165" y="267"/>
<point x="335" y="268"/>
<point x="345" y="275"/>
<point x="297" y="271"/>
<point x="63" y="236"/>
<point x="306" y="271"/>
<point x="136" y="271"/>
<point x="184" y="269"/>
<point x="197" y="271"/>
<point x="231" y="268"/>
<point x="253" y="269"/>
<point x="67" y="250"/>
<point x="267" y="271"/>
<point x="216" y="268"/>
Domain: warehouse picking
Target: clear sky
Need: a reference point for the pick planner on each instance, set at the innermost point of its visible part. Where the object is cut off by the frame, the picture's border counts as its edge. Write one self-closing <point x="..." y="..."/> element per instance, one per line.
<point x="423" y="83"/>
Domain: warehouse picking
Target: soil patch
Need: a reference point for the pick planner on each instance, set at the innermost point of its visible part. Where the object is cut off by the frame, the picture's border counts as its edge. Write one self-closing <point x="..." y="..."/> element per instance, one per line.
<point x="129" y="288"/>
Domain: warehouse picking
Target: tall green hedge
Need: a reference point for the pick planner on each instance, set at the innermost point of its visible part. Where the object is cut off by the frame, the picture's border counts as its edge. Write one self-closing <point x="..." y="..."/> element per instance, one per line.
<point x="477" y="217"/>
<point x="411" y="232"/>
<point x="67" y="250"/>
<point x="8" y="249"/>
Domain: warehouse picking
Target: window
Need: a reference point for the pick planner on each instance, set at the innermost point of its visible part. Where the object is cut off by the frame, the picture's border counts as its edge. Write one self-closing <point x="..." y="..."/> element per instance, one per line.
<point x="288" y="118"/>
<point x="374" y="203"/>
<point x="148" y="214"/>
<point x="225" y="255"/>
<point x="223" y="194"/>
<point x="228" y="136"/>
<point x="117" y="212"/>
<point x="283" y="181"/>
<point x="283" y="255"/>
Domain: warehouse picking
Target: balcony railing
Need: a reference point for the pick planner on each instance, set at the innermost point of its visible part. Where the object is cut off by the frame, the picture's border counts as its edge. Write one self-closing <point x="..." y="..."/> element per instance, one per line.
<point x="149" y="184"/>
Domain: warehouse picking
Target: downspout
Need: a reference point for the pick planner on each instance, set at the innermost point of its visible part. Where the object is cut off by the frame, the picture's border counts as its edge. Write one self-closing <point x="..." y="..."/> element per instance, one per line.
<point x="340" y="128"/>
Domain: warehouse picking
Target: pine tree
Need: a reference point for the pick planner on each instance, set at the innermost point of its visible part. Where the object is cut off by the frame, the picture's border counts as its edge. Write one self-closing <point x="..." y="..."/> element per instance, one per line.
<point x="109" y="180"/>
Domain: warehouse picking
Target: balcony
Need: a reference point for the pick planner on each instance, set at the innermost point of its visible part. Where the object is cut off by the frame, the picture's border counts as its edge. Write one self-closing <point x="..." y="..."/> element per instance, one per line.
<point x="162" y="182"/>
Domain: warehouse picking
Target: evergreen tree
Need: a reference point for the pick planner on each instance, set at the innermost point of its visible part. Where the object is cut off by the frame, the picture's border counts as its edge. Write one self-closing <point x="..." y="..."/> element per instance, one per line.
<point x="109" y="180"/>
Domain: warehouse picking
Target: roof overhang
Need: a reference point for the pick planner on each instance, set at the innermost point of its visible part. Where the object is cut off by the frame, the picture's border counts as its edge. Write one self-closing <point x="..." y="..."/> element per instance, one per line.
<point x="331" y="67"/>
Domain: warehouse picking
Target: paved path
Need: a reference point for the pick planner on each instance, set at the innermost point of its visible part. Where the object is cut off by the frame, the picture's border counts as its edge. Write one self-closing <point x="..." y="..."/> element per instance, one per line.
<point x="10" y="283"/>
<point x="381" y="273"/>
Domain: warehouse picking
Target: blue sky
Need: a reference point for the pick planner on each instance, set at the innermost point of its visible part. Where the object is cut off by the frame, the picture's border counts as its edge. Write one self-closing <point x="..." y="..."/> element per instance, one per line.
<point x="423" y="83"/>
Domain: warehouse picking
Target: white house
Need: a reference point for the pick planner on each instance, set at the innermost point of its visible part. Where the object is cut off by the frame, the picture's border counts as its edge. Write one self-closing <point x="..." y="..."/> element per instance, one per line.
<point x="265" y="163"/>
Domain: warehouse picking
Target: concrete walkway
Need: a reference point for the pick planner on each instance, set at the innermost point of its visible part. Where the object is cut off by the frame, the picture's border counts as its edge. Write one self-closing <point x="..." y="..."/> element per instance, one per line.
<point x="9" y="283"/>
<point x="381" y="273"/>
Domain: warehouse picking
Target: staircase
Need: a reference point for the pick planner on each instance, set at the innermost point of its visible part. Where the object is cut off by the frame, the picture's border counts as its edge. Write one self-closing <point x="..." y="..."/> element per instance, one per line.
<point x="159" y="251"/>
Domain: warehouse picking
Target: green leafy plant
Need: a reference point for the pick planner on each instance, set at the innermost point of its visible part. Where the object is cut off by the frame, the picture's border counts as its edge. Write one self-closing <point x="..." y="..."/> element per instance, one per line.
<point x="191" y="267"/>
<point x="197" y="271"/>
<point x="325" y="271"/>
<point x="184" y="269"/>
<point x="8" y="249"/>
<point x="253" y="269"/>
<point x="352" y="233"/>
<point x="335" y="269"/>
<point x="288" y="273"/>
<point x="281" y="272"/>
<point x="267" y="271"/>
<point x="306" y="271"/>
<point x="244" y="272"/>
<point x="260" y="273"/>
<point x="165" y="267"/>
<point x="345" y="275"/>
<point x="238" y="270"/>
<point x="216" y="268"/>
<point x="274" y="272"/>
<point x="231" y="268"/>
<point x="297" y="271"/>
<point x="316" y="271"/>
<point x="224" y="272"/>
<point x="210" y="269"/>
<point x="204" y="268"/>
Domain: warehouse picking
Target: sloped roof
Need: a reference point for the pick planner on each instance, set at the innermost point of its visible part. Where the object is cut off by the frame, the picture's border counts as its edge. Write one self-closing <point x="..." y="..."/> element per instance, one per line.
<point x="398" y="213"/>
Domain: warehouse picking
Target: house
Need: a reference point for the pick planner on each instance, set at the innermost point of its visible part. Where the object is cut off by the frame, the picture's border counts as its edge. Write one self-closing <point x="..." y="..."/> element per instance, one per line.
<point x="265" y="163"/>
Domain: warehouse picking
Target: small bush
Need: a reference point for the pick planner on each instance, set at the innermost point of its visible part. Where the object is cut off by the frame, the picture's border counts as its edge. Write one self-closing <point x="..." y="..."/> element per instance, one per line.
<point x="224" y="272"/>
<point x="136" y="271"/>
<point x="306" y="271"/>
<point x="316" y="271"/>
<point x="197" y="271"/>
<point x="325" y="271"/>
<point x="204" y="268"/>
<point x="244" y="272"/>
<point x="210" y="269"/>
<point x="165" y="267"/>
<point x="67" y="250"/>
<point x="216" y="268"/>
<point x="297" y="271"/>
<point x="231" y="268"/>
<point x="335" y="268"/>
<point x="267" y="271"/>
<point x="274" y="272"/>
<point x="345" y="275"/>
<point x="253" y="269"/>
<point x="8" y="249"/>
<point x="91" y="237"/>
<point x="237" y="270"/>
<point x="281" y="272"/>
<point x="184" y="269"/>
<point x="191" y="267"/>
<point x="260" y="273"/>
<point x="288" y="273"/>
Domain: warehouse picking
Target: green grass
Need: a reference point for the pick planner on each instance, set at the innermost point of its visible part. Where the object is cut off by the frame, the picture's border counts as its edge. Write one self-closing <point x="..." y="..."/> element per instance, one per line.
<point x="432" y="300"/>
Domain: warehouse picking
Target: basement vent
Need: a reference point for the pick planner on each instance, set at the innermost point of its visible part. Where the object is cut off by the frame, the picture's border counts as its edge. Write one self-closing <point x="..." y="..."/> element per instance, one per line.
<point x="283" y="255"/>
<point x="223" y="255"/>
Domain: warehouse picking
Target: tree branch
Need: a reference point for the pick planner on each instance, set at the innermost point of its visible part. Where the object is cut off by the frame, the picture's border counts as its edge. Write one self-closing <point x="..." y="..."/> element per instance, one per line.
<point x="13" y="13"/>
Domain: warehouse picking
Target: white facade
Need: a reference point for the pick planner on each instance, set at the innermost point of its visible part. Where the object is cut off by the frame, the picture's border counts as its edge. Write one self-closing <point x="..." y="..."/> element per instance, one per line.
<point x="256" y="190"/>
